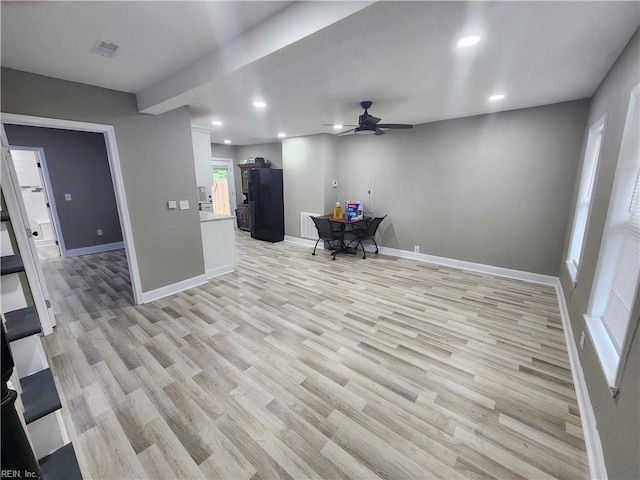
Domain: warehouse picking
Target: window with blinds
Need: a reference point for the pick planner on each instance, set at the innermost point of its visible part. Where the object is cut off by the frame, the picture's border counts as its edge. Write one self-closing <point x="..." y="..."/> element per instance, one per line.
<point x="609" y="317"/>
<point x="625" y="280"/>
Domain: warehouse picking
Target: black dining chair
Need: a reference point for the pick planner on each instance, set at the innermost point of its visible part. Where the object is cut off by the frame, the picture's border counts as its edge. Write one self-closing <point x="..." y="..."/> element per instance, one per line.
<point x="366" y="232"/>
<point x="326" y="233"/>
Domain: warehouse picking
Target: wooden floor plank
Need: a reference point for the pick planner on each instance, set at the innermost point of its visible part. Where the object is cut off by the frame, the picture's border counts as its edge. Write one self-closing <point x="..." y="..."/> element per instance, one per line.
<point x="296" y="366"/>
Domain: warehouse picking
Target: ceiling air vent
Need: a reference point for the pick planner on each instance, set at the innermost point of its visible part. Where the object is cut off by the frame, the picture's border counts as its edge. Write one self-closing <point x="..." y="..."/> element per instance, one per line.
<point x="106" y="49"/>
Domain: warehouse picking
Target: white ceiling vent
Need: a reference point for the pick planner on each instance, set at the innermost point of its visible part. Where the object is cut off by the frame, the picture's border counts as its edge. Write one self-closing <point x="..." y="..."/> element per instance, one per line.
<point x="106" y="49"/>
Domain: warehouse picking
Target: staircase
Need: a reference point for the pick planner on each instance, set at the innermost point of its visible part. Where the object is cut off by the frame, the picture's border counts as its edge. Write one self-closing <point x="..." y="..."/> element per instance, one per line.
<point x="38" y="405"/>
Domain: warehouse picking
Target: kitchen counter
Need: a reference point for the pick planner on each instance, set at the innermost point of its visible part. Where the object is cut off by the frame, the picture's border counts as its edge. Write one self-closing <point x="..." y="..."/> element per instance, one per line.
<point x="211" y="217"/>
<point x="218" y="243"/>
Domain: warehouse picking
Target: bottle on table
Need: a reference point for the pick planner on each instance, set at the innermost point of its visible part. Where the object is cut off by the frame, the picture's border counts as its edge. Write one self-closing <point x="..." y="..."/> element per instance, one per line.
<point x="337" y="211"/>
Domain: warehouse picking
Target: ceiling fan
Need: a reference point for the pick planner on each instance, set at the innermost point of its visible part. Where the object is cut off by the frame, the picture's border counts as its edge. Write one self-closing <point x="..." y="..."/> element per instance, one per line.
<point x="368" y="124"/>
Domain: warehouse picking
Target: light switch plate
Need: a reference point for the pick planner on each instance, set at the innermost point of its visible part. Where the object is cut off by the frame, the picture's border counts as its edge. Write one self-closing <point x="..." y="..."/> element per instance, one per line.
<point x="184" y="204"/>
<point x="67" y="197"/>
<point x="172" y="204"/>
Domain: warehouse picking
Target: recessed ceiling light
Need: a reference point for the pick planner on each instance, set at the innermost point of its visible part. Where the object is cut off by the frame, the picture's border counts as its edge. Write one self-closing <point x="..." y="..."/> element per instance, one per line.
<point x="216" y="123"/>
<point x="282" y="135"/>
<point x="496" y="97"/>
<point x="337" y="126"/>
<point x="227" y="141"/>
<point x="468" y="41"/>
<point x="259" y="104"/>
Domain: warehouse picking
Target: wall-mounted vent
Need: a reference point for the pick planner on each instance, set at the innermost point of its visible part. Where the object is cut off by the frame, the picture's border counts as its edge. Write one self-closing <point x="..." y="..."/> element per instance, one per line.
<point x="105" y="49"/>
<point x="307" y="227"/>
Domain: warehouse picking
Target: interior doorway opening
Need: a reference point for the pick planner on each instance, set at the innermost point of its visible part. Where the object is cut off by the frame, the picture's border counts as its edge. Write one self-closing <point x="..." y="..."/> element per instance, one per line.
<point x="35" y="187"/>
<point x="223" y="186"/>
<point x="116" y="180"/>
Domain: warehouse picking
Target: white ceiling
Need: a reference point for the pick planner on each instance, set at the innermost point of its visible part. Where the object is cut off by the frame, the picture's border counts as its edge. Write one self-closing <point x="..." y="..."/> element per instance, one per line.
<point x="313" y="62"/>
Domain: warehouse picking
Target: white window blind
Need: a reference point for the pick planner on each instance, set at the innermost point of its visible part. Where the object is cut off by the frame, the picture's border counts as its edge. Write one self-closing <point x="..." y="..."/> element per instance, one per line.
<point x="627" y="272"/>
<point x="608" y="318"/>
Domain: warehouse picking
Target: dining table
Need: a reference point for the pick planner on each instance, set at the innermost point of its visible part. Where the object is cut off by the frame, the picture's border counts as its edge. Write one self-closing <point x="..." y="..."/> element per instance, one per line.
<point x="343" y="222"/>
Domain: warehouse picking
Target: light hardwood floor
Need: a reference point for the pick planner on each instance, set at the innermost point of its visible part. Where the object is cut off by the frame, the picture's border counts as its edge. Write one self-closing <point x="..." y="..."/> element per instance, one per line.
<point x="297" y="366"/>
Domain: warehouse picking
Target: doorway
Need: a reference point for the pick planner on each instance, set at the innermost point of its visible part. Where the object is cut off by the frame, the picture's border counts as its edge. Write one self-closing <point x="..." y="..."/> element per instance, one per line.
<point x="30" y="168"/>
<point x="108" y="133"/>
<point x="223" y="186"/>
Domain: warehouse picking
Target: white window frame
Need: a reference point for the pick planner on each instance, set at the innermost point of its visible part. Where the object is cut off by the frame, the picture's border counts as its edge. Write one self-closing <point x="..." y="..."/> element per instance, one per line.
<point x="583" y="201"/>
<point x="612" y="356"/>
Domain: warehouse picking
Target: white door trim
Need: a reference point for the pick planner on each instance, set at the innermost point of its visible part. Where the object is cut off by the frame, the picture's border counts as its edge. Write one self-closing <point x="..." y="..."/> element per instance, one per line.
<point x="116" y="176"/>
<point x="24" y="240"/>
<point x="48" y="188"/>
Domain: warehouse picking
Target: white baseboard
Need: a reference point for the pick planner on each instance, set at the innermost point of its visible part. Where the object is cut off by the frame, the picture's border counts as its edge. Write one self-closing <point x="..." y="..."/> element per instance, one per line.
<point x="593" y="445"/>
<point x="177" y="287"/>
<point x="216" y="272"/>
<point x="476" y="267"/>
<point x="107" y="247"/>
<point x="444" y="261"/>
<point x="302" y="241"/>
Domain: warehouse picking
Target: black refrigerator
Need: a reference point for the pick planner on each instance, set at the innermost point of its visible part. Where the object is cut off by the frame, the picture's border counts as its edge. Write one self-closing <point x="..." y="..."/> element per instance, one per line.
<point x="266" y="204"/>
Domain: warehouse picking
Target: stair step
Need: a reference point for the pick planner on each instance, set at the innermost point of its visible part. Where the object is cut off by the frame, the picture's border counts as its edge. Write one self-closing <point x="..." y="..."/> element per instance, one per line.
<point x="39" y="395"/>
<point x="11" y="264"/>
<point x="22" y="323"/>
<point x="61" y="465"/>
<point x="4" y="216"/>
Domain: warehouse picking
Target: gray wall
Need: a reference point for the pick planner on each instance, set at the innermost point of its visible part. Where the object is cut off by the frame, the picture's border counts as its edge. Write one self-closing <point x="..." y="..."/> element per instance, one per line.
<point x="308" y="164"/>
<point x="223" y="151"/>
<point x="77" y="164"/>
<point x="618" y="419"/>
<point x="268" y="151"/>
<point x="492" y="189"/>
<point x="156" y="157"/>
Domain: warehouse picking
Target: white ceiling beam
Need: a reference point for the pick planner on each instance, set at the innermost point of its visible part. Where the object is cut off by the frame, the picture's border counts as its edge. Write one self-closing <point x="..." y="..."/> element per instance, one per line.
<point x="286" y="27"/>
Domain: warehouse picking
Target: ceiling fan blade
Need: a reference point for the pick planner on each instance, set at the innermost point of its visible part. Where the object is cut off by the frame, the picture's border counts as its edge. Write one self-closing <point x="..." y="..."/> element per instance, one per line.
<point x="380" y="132"/>
<point x="343" y="124"/>
<point x="394" y="125"/>
<point x="346" y="131"/>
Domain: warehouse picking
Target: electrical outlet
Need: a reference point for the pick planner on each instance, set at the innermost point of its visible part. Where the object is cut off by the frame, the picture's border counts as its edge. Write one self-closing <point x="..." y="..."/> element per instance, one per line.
<point x="99" y="231"/>
<point x="184" y="204"/>
<point x="67" y="197"/>
<point x="416" y="248"/>
<point x="582" y="340"/>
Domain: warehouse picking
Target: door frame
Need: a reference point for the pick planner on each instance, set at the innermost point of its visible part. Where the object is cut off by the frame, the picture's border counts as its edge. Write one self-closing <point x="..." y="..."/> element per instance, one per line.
<point x="48" y="188"/>
<point x="24" y="240"/>
<point x="217" y="162"/>
<point x="116" y="176"/>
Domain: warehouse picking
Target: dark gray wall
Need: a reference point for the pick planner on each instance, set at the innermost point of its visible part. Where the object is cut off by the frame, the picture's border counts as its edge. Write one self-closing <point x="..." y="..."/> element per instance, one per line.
<point x="77" y="164"/>
<point x="156" y="158"/>
<point x="618" y="419"/>
<point x="491" y="189"/>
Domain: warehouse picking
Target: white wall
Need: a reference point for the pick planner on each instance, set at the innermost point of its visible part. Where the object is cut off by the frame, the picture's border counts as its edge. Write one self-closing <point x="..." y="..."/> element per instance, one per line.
<point x="202" y="156"/>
